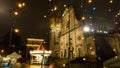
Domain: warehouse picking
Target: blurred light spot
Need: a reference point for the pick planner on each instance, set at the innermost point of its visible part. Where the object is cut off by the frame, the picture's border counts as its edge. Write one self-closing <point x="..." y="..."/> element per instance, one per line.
<point x="64" y="65"/>
<point x="65" y="5"/>
<point x="84" y="59"/>
<point x="111" y="1"/>
<point x="94" y="8"/>
<point x="109" y="10"/>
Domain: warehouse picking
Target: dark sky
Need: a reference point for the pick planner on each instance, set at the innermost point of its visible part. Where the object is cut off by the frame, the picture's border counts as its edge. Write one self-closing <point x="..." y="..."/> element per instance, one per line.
<point x="31" y="21"/>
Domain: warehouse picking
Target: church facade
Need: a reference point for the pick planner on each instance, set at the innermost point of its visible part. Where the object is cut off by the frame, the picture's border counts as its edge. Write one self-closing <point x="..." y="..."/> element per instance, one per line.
<point x="68" y="31"/>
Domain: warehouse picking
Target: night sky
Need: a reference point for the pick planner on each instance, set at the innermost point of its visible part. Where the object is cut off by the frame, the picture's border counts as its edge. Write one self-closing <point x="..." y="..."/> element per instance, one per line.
<point x="31" y="21"/>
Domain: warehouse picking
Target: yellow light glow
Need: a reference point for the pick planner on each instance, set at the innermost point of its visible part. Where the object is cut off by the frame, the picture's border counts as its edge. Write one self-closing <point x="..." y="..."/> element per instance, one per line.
<point x="15" y="13"/>
<point x="16" y="30"/>
<point x="57" y="25"/>
<point x="89" y="1"/>
<point x="104" y="67"/>
<point x="50" y="0"/>
<point x="83" y="38"/>
<point x="93" y="39"/>
<point x="114" y="49"/>
<point x="65" y="5"/>
<point x="55" y="8"/>
<point x="118" y="14"/>
<point x="52" y="26"/>
<point x="64" y="65"/>
<point x="111" y="1"/>
<point x="116" y="57"/>
<point x="52" y="10"/>
<point x="21" y="5"/>
<point x="2" y="51"/>
<point x="83" y="18"/>
<point x="84" y="59"/>
<point x="45" y="16"/>
<point x="91" y="48"/>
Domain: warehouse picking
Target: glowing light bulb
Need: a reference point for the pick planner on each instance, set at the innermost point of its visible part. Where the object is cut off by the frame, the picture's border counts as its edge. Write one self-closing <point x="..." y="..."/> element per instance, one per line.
<point x="89" y="1"/>
<point x="111" y="1"/>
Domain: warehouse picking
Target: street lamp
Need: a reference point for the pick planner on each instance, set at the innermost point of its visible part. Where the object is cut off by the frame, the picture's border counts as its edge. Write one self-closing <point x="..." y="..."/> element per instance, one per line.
<point x="14" y="13"/>
<point x="55" y="8"/>
<point x="2" y="52"/>
<point x="16" y="30"/>
<point x="86" y="29"/>
<point x="83" y="18"/>
<point x="21" y="5"/>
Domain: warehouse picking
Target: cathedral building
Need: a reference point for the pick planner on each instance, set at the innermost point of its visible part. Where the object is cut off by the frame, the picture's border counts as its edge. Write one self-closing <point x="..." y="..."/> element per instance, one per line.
<point x="61" y="28"/>
<point x="67" y="31"/>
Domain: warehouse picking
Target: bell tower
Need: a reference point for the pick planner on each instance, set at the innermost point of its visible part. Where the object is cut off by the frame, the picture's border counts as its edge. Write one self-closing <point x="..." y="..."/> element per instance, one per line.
<point x="55" y="26"/>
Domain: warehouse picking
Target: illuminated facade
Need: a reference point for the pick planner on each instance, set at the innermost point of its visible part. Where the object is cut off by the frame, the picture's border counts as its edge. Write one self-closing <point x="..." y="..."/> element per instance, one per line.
<point x="77" y="46"/>
<point x="55" y="25"/>
<point x="59" y="36"/>
<point x="82" y="44"/>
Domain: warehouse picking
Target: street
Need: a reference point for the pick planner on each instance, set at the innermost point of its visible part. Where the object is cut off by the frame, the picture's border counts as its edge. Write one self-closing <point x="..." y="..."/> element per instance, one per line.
<point x="25" y="65"/>
<point x="37" y="66"/>
<point x="55" y="65"/>
<point x="46" y="66"/>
